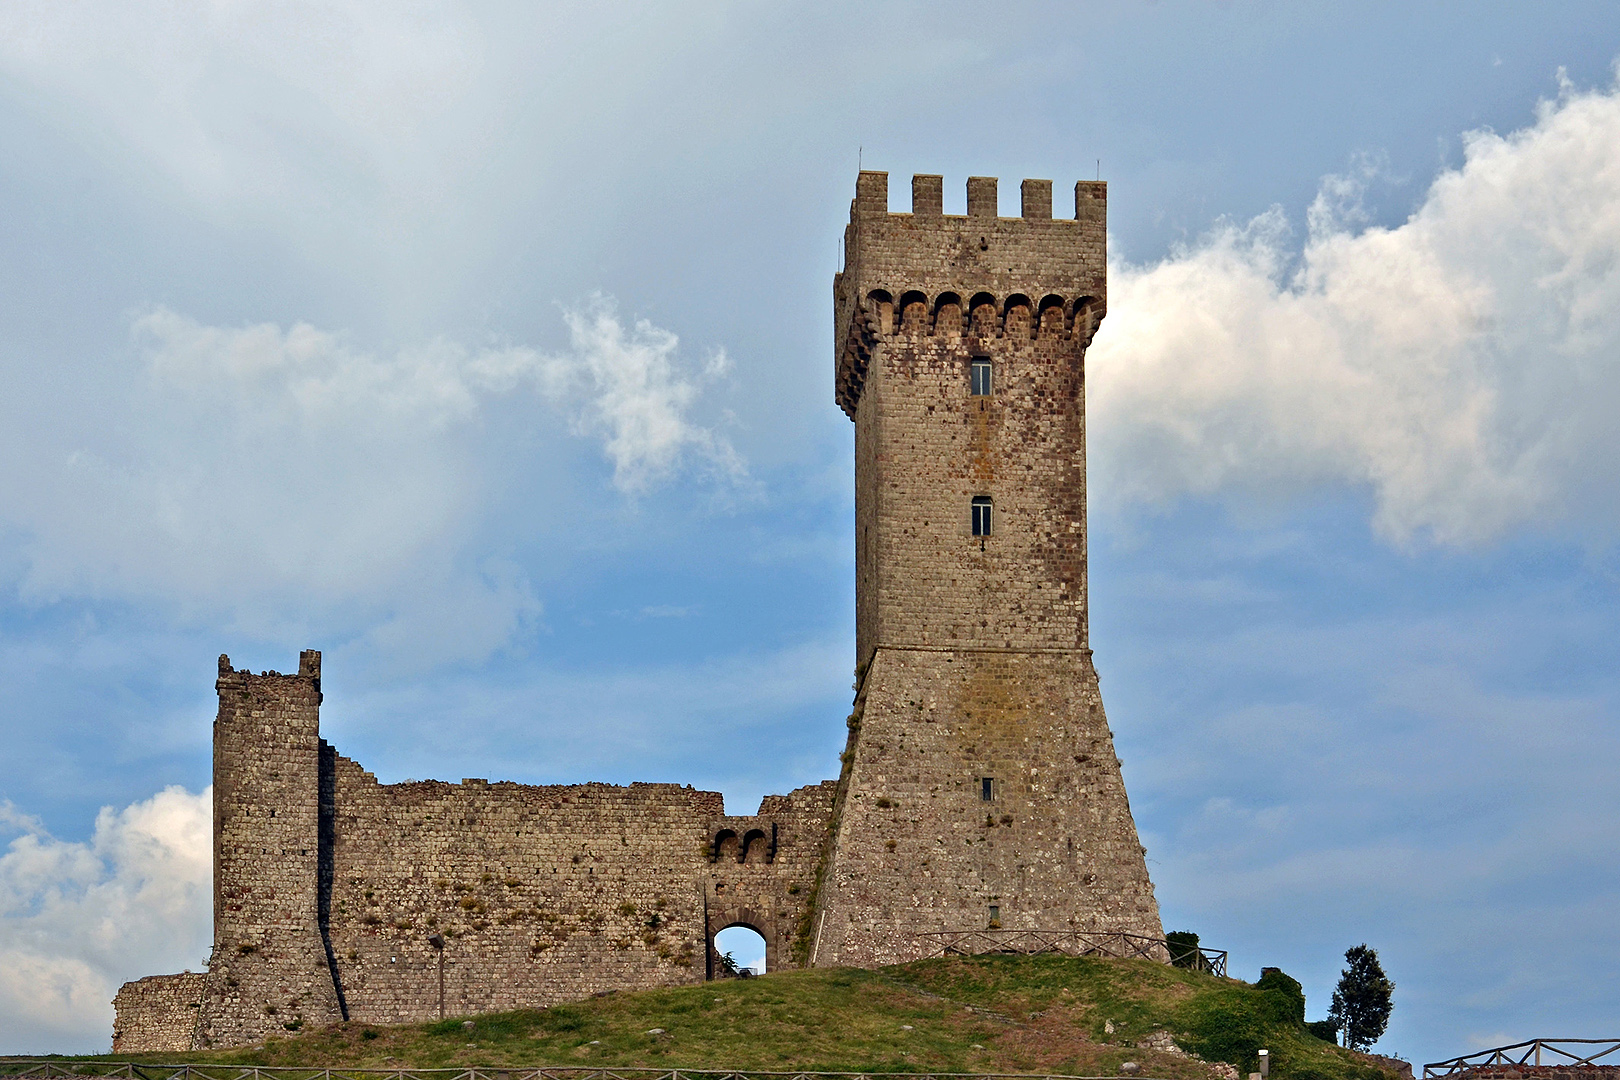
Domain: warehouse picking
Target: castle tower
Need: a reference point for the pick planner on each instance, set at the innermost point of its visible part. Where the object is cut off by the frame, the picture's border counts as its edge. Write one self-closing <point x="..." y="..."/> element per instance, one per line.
<point x="270" y="972"/>
<point x="981" y="786"/>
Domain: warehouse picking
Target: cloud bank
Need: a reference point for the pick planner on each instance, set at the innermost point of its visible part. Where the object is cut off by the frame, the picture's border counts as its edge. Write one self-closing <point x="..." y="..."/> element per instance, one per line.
<point x="77" y="919"/>
<point x="289" y="479"/>
<point x="1463" y="367"/>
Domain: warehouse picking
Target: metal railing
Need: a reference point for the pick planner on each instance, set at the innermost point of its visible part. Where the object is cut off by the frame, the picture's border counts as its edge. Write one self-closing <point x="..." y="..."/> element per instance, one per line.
<point x="1114" y="943"/>
<point x="1563" y="1053"/>
<point x="125" y="1070"/>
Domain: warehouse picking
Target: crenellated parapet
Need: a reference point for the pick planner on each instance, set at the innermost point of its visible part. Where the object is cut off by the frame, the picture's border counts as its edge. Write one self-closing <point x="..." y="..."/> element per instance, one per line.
<point x="975" y="276"/>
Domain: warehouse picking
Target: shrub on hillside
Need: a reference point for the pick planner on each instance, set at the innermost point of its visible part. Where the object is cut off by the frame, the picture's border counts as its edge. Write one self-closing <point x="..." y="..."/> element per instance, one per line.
<point x="1326" y="1030"/>
<point x="1275" y="981"/>
<point x="1231" y="1025"/>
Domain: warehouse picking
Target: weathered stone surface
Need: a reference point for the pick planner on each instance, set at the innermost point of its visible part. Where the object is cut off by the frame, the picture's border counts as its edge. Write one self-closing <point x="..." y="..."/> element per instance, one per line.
<point x="973" y="650"/>
<point x="548" y="894"/>
<point x="329" y="885"/>
<point x="268" y="971"/>
<point x="158" y="1012"/>
<point x="980" y="781"/>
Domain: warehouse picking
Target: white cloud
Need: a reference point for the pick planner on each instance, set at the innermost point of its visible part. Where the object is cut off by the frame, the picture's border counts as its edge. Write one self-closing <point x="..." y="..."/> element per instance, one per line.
<point x="77" y="919"/>
<point x="294" y="482"/>
<point x="312" y="378"/>
<point x="1464" y="366"/>
<point x="627" y="386"/>
<point x="275" y="478"/>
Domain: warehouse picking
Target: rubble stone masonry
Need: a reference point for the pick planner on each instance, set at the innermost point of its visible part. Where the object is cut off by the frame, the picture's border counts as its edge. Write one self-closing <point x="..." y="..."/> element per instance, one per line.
<point x="157" y="1013"/>
<point x="980" y="785"/>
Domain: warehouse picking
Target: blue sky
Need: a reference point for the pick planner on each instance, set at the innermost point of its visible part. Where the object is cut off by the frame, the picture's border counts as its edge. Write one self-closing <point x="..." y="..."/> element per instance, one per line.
<point x="487" y="348"/>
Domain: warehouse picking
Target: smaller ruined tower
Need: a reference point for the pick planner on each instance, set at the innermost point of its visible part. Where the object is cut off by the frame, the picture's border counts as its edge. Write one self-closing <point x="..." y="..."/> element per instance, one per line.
<point x="981" y="787"/>
<point x="270" y="971"/>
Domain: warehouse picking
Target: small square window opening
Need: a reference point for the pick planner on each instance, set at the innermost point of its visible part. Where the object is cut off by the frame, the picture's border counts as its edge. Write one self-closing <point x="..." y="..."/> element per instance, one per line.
<point x="981" y="515"/>
<point x="979" y="377"/>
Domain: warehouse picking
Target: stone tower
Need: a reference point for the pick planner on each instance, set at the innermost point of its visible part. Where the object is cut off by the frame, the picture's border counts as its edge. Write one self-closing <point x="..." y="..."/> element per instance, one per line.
<point x="980" y="785"/>
<point x="270" y="972"/>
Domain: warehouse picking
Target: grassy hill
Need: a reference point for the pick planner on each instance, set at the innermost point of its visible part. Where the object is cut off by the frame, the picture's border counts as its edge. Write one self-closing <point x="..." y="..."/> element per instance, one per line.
<point x="1041" y="1014"/>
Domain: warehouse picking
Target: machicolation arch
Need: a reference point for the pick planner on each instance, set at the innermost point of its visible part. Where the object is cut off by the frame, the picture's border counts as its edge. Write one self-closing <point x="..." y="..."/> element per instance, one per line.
<point x="756" y="847"/>
<point x="983" y="317"/>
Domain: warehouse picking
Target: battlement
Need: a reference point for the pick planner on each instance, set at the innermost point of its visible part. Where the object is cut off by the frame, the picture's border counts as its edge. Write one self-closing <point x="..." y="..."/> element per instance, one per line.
<point x="309" y="670"/>
<point x="928" y="197"/>
<point x="975" y="274"/>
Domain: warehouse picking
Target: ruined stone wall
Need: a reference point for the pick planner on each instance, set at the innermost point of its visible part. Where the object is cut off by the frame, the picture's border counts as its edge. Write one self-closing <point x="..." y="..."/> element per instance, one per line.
<point x="762" y="869"/>
<point x="158" y="1012"/>
<point x="543" y="894"/>
<point x="973" y="650"/>
<point x="329" y="885"/>
<point x="546" y="894"/>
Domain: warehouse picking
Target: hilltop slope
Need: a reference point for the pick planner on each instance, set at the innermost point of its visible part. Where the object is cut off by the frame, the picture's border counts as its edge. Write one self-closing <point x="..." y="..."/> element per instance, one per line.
<point x="1044" y="1014"/>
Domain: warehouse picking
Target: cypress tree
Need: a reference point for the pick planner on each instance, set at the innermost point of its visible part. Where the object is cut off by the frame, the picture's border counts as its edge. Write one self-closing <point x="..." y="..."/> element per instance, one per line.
<point x="1363" y="999"/>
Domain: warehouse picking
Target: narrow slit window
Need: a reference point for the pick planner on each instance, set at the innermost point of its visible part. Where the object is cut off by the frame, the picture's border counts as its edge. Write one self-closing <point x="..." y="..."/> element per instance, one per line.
<point x="981" y="515"/>
<point x="987" y="789"/>
<point x="979" y="377"/>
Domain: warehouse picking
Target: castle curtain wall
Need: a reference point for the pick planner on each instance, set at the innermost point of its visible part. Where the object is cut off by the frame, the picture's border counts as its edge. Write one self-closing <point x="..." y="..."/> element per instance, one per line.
<point x="325" y="907"/>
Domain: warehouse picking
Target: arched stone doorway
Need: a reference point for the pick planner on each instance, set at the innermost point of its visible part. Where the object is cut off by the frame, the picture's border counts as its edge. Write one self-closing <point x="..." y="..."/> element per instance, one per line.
<point x="745" y="919"/>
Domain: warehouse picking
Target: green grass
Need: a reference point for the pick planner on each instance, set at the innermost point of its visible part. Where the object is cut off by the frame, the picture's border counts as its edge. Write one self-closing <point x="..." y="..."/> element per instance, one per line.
<point x="1040" y="1014"/>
